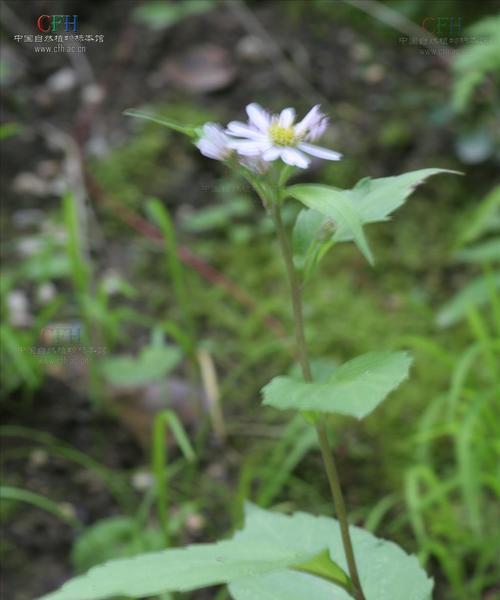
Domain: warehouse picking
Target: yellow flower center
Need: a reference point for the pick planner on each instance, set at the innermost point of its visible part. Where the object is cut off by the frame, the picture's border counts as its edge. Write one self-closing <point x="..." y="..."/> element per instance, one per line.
<point x="283" y="136"/>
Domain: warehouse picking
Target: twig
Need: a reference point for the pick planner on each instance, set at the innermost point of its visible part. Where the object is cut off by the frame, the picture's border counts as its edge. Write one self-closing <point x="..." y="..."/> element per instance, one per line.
<point x="210" y="383"/>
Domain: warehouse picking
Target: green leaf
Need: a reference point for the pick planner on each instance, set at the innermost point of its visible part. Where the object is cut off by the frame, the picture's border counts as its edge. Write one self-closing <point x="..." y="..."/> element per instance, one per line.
<point x="376" y="199"/>
<point x="307" y="228"/>
<point x="475" y="61"/>
<point x="373" y="200"/>
<point x="355" y="389"/>
<point x="296" y="441"/>
<point x="185" y="129"/>
<point x="331" y="203"/>
<point x="79" y="268"/>
<point x="484" y="252"/>
<point x="8" y="130"/>
<point x="10" y="493"/>
<point x="311" y="232"/>
<point x="386" y="572"/>
<point x="166" y="421"/>
<point x="322" y="565"/>
<point x="112" y="538"/>
<point x="258" y="563"/>
<point x="152" y="364"/>
<point x="475" y="294"/>
<point x="485" y="218"/>
<point x="184" y="569"/>
<point x="163" y="14"/>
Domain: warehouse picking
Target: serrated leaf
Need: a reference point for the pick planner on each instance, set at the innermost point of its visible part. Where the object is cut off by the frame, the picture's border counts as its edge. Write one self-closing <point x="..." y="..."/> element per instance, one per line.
<point x="386" y="571"/>
<point x="248" y="554"/>
<point x="376" y="199"/>
<point x="355" y="389"/>
<point x="255" y="562"/>
<point x="332" y="203"/>
<point x="373" y="200"/>
<point x="185" y="129"/>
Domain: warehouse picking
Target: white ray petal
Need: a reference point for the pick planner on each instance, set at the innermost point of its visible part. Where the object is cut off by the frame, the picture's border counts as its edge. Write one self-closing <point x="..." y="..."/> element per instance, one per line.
<point x="317" y="130"/>
<point x="248" y="147"/>
<point x="294" y="158"/>
<point x="209" y="149"/>
<point x="258" y="117"/>
<point x="320" y="152"/>
<point x="271" y="154"/>
<point x="242" y="130"/>
<point x="287" y="117"/>
<point x="310" y="120"/>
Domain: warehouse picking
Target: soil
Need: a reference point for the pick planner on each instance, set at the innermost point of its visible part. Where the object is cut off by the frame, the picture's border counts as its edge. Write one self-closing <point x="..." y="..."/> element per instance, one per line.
<point x="36" y="545"/>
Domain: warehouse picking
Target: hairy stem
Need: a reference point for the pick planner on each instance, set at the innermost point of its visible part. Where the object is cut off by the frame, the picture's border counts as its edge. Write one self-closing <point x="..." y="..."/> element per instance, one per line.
<point x="326" y="452"/>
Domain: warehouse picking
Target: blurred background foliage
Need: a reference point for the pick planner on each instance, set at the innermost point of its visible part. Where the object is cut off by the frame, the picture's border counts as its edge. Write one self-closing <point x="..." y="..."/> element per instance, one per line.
<point x="144" y="303"/>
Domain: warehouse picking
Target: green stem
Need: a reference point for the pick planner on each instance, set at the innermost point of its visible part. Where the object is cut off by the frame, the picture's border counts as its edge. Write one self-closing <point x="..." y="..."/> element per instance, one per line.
<point x="326" y="452"/>
<point x="294" y="292"/>
<point x="338" y="499"/>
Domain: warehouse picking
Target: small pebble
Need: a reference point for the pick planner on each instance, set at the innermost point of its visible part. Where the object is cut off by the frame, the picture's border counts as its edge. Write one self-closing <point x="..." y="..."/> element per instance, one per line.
<point x="46" y="292"/>
<point x="62" y="81"/>
<point x="18" y="309"/>
<point x="252" y="49"/>
<point x="142" y="480"/>
<point x="28" y="246"/>
<point x="39" y="457"/>
<point x="31" y="184"/>
<point x="195" y="522"/>
<point x="93" y="94"/>
<point x="374" y="73"/>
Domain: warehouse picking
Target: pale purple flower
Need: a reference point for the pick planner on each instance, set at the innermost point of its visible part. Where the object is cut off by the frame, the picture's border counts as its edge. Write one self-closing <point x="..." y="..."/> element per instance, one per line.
<point x="270" y="137"/>
<point x="214" y="142"/>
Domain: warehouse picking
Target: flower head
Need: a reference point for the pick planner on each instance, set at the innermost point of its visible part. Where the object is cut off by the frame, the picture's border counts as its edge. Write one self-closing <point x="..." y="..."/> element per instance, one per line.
<point x="278" y="136"/>
<point x="214" y="142"/>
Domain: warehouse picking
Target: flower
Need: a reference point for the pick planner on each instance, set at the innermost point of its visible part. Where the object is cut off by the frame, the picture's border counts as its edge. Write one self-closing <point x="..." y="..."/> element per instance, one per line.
<point x="278" y="136"/>
<point x="214" y="142"/>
